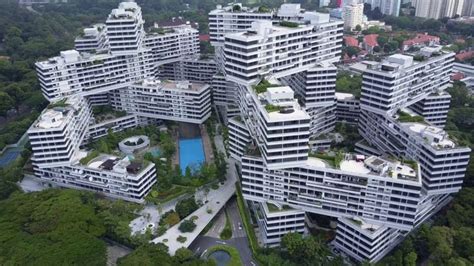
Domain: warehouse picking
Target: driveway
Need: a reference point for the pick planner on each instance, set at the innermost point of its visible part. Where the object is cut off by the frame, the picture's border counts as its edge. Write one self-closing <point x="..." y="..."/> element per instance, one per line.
<point x="239" y="237"/>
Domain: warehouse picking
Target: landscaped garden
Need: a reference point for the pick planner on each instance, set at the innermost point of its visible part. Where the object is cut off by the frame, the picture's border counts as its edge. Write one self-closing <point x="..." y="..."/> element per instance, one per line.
<point x="235" y="259"/>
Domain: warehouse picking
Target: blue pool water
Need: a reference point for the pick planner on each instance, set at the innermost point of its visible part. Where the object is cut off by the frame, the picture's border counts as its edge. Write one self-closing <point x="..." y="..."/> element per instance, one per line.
<point x="191" y="153"/>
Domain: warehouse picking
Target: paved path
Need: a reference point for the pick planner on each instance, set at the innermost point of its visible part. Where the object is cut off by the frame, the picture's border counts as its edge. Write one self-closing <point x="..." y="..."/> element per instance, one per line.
<point x="218" y="226"/>
<point x="216" y="200"/>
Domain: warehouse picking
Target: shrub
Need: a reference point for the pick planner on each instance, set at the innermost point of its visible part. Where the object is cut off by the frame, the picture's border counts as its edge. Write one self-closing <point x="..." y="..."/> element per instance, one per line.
<point x="187" y="226"/>
<point x="181" y="239"/>
<point x="170" y="218"/>
<point x="186" y="207"/>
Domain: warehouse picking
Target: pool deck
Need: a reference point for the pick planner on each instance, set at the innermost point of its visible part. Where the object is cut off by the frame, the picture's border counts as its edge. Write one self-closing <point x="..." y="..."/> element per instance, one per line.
<point x="206" y="143"/>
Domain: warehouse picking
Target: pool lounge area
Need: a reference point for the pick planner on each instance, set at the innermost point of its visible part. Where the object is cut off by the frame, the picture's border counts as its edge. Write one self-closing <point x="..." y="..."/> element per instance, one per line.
<point x="191" y="153"/>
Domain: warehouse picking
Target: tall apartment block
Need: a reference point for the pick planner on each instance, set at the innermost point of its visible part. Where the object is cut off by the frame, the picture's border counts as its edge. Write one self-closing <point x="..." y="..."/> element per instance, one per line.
<point x="116" y="64"/>
<point x="236" y="20"/>
<point x="284" y="80"/>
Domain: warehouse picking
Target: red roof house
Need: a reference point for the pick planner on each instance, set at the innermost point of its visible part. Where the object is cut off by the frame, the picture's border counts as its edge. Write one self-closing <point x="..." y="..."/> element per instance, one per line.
<point x="351" y="41"/>
<point x="465" y="55"/>
<point x="421" y="39"/>
<point x="204" y="37"/>
<point x="370" y="42"/>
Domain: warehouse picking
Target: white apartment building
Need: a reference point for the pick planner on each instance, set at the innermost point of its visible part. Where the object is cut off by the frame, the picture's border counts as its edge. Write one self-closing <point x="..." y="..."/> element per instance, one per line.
<point x="353" y="15"/>
<point x="93" y="39"/>
<point x="125" y="29"/>
<point x="382" y="191"/>
<point x="167" y="100"/>
<point x="398" y="83"/>
<point x="233" y="18"/>
<point x="114" y="56"/>
<point x="99" y="129"/>
<point x="437" y="9"/>
<point x="56" y="137"/>
<point x="347" y="108"/>
<point x="275" y="221"/>
<point x="74" y="73"/>
<point x="365" y="241"/>
<point x="168" y="45"/>
<point x="105" y="174"/>
<point x="387" y="7"/>
<point x="434" y="108"/>
<point x="315" y="89"/>
<point x="59" y="131"/>
<point x="281" y="50"/>
<point x="191" y="68"/>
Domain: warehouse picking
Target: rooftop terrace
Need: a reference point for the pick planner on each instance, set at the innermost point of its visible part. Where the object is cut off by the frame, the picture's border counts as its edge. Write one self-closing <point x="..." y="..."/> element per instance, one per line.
<point x="360" y="164"/>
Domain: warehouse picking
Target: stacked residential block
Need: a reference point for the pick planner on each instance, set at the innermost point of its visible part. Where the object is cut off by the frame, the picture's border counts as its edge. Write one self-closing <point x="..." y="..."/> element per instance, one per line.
<point x="407" y="168"/>
<point x="273" y="77"/>
<point x="116" y="64"/>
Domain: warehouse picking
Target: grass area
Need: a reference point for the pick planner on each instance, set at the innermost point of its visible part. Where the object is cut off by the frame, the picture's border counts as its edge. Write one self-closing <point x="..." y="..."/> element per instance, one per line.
<point x="159" y="197"/>
<point x="227" y="231"/>
<point x="233" y="252"/>
<point x="60" y="103"/>
<point x="404" y="117"/>
<point x="272" y="108"/>
<point x="91" y="155"/>
<point x="272" y="207"/>
<point x="331" y="160"/>
<point x="289" y="24"/>
<point x="244" y="213"/>
<point x="263" y="86"/>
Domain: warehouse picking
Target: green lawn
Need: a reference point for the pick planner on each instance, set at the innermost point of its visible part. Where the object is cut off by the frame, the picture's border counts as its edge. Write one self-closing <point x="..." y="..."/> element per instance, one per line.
<point x="233" y="252"/>
<point x="165" y="196"/>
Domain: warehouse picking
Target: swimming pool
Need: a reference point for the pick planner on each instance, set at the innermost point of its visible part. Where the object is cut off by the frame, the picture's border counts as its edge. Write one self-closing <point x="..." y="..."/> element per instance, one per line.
<point x="191" y="153"/>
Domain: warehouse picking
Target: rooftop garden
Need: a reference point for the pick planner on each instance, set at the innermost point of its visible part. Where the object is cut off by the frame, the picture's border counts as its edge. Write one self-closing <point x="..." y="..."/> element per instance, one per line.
<point x="263" y="9"/>
<point x="333" y="160"/>
<point x="289" y="24"/>
<point x="236" y="8"/>
<point x="272" y="108"/>
<point x="413" y="164"/>
<point x="91" y="155"/>
<point x="419" y="58"/>
<point x="405" y="117"/>
<point x="106" y="112"/>
<point x="159" y="30"/>
<point x="263" y="86"/>
<point x="272" y="207"/>
<point x="60" y="103"/>
<point x="356" y="222"/>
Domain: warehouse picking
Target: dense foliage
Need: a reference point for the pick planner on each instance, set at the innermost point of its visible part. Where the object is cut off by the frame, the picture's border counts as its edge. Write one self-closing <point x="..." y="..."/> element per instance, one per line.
<point x="349" y="83"/>
<point x="148" y="255"/>
<point x="60" y="227"/>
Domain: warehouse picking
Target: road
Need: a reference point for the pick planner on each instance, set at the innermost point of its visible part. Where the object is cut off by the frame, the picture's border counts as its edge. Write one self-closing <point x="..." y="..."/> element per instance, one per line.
<point x="239" y="237"/>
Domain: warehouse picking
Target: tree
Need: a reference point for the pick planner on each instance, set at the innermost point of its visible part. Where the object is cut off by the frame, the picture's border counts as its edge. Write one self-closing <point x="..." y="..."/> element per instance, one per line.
<point x="440" y="243"/>
<point x="6" y="103"/>
<point x="358" y="28"/>
<point x="351" y="51"/>
<point x="185" y="207"/>
<point x="410" y="259"/>
<point x="172" y="218"/>
<point x="183" y="255"/>
<point x="187" y="226"/>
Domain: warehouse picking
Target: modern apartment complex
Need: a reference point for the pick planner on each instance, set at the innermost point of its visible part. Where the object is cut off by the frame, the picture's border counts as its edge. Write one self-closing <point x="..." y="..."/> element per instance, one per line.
<point x="116" y="64"/>
<point x="274" y="76"/>
<point x="409" y="167"/>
